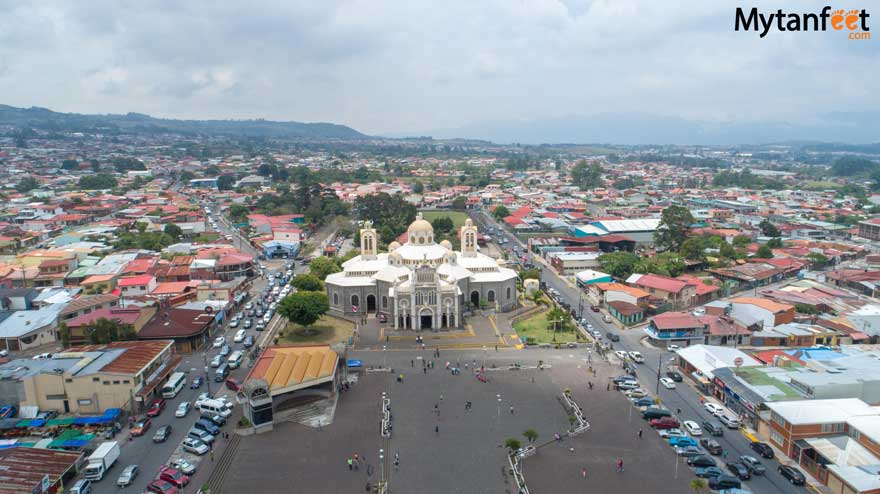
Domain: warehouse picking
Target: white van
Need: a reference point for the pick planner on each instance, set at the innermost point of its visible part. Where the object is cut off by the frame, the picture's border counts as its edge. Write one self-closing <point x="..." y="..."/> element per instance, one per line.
<point x="216" y="407"/>
<point x="235" y="359"/>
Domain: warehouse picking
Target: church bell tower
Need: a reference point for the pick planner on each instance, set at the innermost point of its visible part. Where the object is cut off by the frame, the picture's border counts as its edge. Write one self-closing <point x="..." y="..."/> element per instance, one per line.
<point x="369" y="238"/>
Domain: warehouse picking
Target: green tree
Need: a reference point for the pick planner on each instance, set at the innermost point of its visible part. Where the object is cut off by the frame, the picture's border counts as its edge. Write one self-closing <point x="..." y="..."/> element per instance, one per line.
<point x="586" y="176"/>
<point x="774" y="243"/>
<point x="698" y="485"/>
<point x="442" y="224"/>
<point x="460" y="203"/>
<point x="531" y="273"/>
<point x="619" y="264"/>
<point x="26" y="184"/>
<point x="848" y="166"/>
<point x="307" y="283"/>
<point x="238" y="213"/>
<point x="124" y="164"/>
<point x="727" y="251"/>
<point x="304" y="308"/>
<point x="764" y="252"/>
<point x="323" y="266"/>
<point x="741" y="241"/>
<point x="225" y="182"/>
<point x="674" y="226"/>
<point x="769" y="229"/>
<point x="512" y="445"/>
<point x="806" y="309"/>
<point x="531" y="435"/>
<point x="69" y="164"/>
<point x="186" y="176"/>
<point x="390" y="214"/>
<point x="500" y="212"/>
<point x="819" y="260"/>
<point x="693" y="249"/>
<point x="97" y="182"/>
<point x="173" y="230"/>
<point x="668" y="264"/>
<point x="64" y="333"/>
<point x="105" y="330"/>
<point x="418" y="187"/>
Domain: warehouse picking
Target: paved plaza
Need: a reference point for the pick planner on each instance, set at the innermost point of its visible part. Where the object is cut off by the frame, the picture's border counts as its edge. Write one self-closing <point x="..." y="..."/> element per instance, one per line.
<point x="458" y="450"/>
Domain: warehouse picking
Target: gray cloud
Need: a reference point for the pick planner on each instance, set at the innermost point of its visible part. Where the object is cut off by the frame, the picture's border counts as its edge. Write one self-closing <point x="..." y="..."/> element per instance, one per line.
<point x="384" y="65"/>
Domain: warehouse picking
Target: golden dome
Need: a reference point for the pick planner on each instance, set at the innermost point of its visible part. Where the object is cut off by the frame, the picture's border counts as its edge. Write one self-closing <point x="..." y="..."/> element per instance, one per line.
<point x="420" y="226"/>
<point x="393" y="245"/>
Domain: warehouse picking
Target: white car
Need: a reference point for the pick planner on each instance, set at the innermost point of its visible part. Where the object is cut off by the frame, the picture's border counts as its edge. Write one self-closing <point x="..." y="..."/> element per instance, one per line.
<point x="673" y="348"/>
<point x="219" y="341"/>
<point x="637" y="357"/>
<point x="713" y="409"/>
<point x="201" y="399"/>
<point x="667" y="383"/>
<point x="191" y="445"/>
<point x="41" y="356"/>
<point x="182" y="410"/>
<point x="239" y="336"/>
<point x="636" y="393"/>
<point x="216" y="361"/>
<point x="621" y="354"/>
<point x="589" y="327"/>
<point x="667" y="433"/>
<point x="693" y="428"/>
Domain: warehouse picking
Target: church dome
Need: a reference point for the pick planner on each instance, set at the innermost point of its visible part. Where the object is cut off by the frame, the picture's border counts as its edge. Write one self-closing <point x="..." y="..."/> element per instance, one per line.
<point x="420" y="226"/>
<point x="447" y="244"/>
<point x="500" y="262"/>
<point x="393" y="246"/>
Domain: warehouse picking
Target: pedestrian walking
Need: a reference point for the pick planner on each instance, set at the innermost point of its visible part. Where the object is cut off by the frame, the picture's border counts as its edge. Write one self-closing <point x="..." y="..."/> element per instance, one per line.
<point x="724" y="454"/>
<point x="511" y="409"/>
<point x="424" y="370"/>
<point x="640" y="433"/>
<point x="436" y="430"/>
<point x="590" y="384"/>
<point x="212" y="455"/>
<point x="583" y="473"/>
<point x="350" y="463"/>
<point x="620" y="465"/>
<point x="608" y="387"/>
<point x="412" y="363"/>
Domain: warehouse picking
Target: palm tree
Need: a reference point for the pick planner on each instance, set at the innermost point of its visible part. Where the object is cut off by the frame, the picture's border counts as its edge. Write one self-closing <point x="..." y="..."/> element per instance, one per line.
<point x="512" y="445"/>
<point x="698" y="485"/>
<point x="531" y="435"/>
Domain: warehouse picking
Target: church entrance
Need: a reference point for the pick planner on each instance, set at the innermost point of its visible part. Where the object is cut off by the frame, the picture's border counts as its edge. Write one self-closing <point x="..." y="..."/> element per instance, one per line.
<point x="426" y="321"/>
<point x="475" y="298"/>
<point x="371" y="303"/>
<point x="443" y="321"/>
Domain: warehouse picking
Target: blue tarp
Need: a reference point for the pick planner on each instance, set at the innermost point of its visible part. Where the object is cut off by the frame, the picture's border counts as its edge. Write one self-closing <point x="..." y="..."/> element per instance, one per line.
<point x="111" y="413"/>
<point x="355" y="363"/>
<point x="38" y="422"/>
<point x="87" y="420"/>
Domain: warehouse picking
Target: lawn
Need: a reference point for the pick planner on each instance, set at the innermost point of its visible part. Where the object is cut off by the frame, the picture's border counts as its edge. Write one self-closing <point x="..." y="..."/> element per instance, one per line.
<point x="458" y="218"/>
<point x="328" y="329"/>
<point x="537" y="327"/>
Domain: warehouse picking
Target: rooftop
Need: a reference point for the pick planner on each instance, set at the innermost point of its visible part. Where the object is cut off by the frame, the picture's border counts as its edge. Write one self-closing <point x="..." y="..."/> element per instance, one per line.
<point x="286" y="367"/>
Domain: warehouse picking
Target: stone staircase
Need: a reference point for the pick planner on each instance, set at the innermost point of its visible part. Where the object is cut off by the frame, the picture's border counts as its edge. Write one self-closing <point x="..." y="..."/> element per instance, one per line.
<point x="215" y="481"/>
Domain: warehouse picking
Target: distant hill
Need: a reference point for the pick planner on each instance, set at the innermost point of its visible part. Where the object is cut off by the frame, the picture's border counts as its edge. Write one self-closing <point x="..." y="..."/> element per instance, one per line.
<point x="42" y="118"/>
<point x="633" y="129"/>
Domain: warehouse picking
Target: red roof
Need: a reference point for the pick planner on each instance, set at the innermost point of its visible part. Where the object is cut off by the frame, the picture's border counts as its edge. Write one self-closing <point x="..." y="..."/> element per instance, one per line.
<point x="123" y="316"/>
<point x="513" y="220"/>
<point x="676" y="320"/>
<point x="664" y="283"/>
<point x="139" y="280"/>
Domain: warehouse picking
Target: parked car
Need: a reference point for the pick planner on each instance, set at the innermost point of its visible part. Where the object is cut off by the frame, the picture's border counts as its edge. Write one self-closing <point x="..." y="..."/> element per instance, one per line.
<point x="621" y="354"/>
<point x="627" y="386"/>
<point x="239" y="336"/>
<point x="175" y="476"/>
<point x="248" y="323"/>
<point x="162" y="434"/>
<point x="688" y="451"/>
<point x="672" y="348"/>
<point x="184" y="466"/>
<point x="216" y="361"/>
<point x="225" y="350"/>
<point x="195" y="446"/>
<point x="183" y="409"/>
<point x="762" y="449"/>
<point x="692" y="427"/>
<point x="201" y="435"/>
<point x="248" y="341"/>
<point x="620" y="379"/>
<point x="729" y="421"/>
<point x="156" y="407"/>
<point x="708" y="472"/>
<point x="612" y="337"/>
<point x="753" y="464"/>
<point x="128" y="475"/>
<point x="724" y="482"/>
<point x="643" y="402"/>
<point x="141" y="427"/>
<point x="216" y="419"/>
<point x="739" y="470"/>
<point x="664" y="423"/>
<point x="196" y="382"/>
<point x="233" y="384"/>
<point x="219" y="341"/>
<point x="712" y="446"/>
<point x="713" y="428"/>
<point x="636" y="393"/>
<point x="667" y="383"/>
<point x="682" y="441"/>
<point x="637" y="357"/>
<point x="160" y="486"/>
<point x="233" y="323"/>
<point x="208" y="426"/>
<point x="701" y="461"/>
<point x="713" y="409"/>
<point x="670" y="433"/>
<point x="791" y="474"/>
<point x="675" y="376"/>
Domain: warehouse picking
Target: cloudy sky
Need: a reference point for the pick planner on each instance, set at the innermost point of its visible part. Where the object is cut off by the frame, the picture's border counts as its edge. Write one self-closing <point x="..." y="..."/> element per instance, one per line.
<point x="408" y="65"/>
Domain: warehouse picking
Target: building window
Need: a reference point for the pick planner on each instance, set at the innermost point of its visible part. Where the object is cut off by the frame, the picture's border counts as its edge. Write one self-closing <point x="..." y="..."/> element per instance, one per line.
<point x="778" y="419"/>
<point x="777" y="438"/>
<point x="828" y="428"/>
<point x="96" y="379"/>
<point x="68" y="380"/>
<point x="56" y="397"/>
<point x="355" y="301"/>
<point x="106" y="383"/>
<point x="508" y="293"/>
<point x="384" y="302"/>
<point x="490" y="296"/>
<point x="126" y="381"/>
<point x="855" y="434"/>
<point x="335" y="299"/>
<point x="115" y="382"/>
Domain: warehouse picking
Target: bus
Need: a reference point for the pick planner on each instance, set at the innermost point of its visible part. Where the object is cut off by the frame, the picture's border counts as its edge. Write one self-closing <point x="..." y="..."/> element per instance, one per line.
<point x="173" y="385"/>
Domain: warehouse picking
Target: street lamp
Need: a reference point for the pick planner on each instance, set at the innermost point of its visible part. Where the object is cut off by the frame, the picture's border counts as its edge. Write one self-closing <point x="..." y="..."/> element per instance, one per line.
<point x="499" y="408"/>
<point x="484" y="357"/>
<point x="384" y="358"/>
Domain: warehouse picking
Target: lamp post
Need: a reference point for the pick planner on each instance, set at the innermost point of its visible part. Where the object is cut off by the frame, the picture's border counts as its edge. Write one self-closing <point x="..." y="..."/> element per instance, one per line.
<point x="384" y="358"/>
<point x="207" y="381"/>
<point x="484" y="357"/>
<point x="499" y="408"/>
<point x="659" y="364"/>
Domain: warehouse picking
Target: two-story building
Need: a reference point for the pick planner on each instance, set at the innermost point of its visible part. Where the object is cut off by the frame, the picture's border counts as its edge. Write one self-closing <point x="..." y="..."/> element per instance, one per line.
<point x="679" y="328"/>
<point x="678" y="294"/>
<point x="134" y="286"/>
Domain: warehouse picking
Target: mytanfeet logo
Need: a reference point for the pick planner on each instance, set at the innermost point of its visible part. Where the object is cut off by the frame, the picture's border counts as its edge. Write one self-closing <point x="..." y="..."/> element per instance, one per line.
<point x="854" y="22"/>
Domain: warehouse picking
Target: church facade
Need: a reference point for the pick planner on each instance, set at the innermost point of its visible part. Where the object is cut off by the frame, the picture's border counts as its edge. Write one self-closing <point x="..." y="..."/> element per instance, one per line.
<point x="421" y="285"/>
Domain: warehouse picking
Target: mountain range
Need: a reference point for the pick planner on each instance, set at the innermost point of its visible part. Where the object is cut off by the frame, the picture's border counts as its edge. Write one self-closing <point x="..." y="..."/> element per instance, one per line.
<point x="631" y="129"/>
<point x="42" y="118"/>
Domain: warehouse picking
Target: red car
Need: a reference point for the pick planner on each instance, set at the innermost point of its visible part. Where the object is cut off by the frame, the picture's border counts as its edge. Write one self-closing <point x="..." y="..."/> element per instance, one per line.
<point x="141" y="427"/>
<point x="233" y="384"/>
<point x="156" y="407"/>
<point x="160" y="486"/>
<point x="174" y="476"/>
<point x="664" y="423"/>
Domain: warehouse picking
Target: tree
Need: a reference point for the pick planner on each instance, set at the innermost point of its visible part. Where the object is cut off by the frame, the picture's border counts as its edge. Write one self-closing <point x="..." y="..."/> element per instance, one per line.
<point x="848" y="166"/>
<point x="693" y="249"/>
<point x="64" y="333"/>
<point x="698" y="484"/>
<point x="674" y="226"/>
<point x="765" y="252"/>
<point x="618" y="264"/>
<point x="442" y="224"/>
<point x="238" y="213"/>
<point x="727" y="251"/>
<point x="186" y="176"/>
<point x="741" y="241"/>
<point x="304" y="308"/>
<point x="124" y="164"/>
<point x="806" y="309"/>
<point x="105" y="330"/>
<point x="323" y="266"/>
<point x="531" y="435"/>
<point x="225" y="182"/>
<point x="418" y="187"/>
<point x="769" y="229"/>
<point x="531" y="273"/>
<point x="587" y="176"/>
<point x="775" y="243"/>
<point x="173" y="230"/>
<point x="460" y="202"/>
<point x="501" y="212"/>
<point x="390" y="214"/>
<point x="27" y="184"/>
<point x="819" y="260"/>
<point x="69" y="164"/>
<point x="97" y="181"/>
<point x="307" y="283"/>
<point x="512" y="445"/>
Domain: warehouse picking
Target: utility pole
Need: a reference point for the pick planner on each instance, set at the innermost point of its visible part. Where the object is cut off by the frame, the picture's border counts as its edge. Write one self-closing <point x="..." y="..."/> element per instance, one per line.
<point x="659" y="364"/>
<point x="207" y="380"/>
